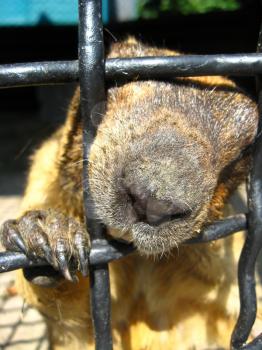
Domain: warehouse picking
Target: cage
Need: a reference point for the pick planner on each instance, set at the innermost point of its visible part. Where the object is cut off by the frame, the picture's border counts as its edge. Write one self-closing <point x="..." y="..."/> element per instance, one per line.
<point x="91" y="67"/>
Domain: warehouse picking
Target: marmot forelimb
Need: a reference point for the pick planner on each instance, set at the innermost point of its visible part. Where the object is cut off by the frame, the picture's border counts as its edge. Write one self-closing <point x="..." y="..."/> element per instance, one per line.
<point x="165" y="159"/>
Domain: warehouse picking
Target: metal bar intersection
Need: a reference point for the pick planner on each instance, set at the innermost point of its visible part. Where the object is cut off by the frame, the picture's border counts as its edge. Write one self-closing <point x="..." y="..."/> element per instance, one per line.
<point x="92" y="70"/>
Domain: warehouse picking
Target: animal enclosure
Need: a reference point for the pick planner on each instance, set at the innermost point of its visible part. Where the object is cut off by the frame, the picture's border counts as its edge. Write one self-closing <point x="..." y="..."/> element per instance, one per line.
<point x="93" y="71"/>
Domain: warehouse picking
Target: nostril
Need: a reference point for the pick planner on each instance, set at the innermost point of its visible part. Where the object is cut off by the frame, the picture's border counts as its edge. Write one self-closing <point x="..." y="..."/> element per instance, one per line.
<point x="156" y="211"/>
<point x="139" y="204"/>
<point x="160" y="211"/>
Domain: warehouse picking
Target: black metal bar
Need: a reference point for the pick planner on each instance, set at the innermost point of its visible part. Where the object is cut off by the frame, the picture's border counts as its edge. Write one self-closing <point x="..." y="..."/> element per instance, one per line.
<point x="255" y="344"/>
<point x="105" y="251"/>
<point x="221" y="229"/>
<point x="253" y="244"/>
<point x="59" y="72"/>
<point x="101" y="253"/>
<point x="92" y="71"/>
<point x="92" y="87"/>
<point x="38" y="73"/>
<point x="189" y="65"/>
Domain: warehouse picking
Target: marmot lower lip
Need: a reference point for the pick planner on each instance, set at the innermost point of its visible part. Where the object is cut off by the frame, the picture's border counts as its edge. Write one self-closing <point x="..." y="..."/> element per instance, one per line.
<point x="151" y="240"/>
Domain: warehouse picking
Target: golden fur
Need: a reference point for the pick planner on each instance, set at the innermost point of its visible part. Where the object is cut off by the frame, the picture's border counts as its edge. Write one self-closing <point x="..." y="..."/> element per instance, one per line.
<point x="188" y="298"/>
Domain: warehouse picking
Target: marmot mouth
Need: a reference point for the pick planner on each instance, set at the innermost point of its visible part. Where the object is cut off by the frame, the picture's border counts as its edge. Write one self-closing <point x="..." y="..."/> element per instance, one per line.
<point x="146" y="208"/>
<point x="155" y="220"/>
<point x="158" y="240"/>
<point x="153" y="240"/>
<point x="152" y="243"/>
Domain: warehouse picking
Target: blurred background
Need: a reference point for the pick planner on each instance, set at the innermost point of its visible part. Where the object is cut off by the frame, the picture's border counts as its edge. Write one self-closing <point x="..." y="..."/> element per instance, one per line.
<point x="40" y="30"/>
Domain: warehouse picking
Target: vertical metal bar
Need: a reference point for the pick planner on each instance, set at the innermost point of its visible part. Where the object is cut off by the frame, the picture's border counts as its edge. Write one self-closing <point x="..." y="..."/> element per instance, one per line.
<point x="91" y="76"/>
<point x="253" y="243"/>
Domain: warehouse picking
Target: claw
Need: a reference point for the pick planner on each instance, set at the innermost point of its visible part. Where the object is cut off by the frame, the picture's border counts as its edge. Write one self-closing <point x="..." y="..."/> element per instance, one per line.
<point x="18" y="240"/>
<point x="83" y="253"/>
<point x="12" y="237"/>
<point x="63" y="264"/>
<point x="48" y="255"/>
<point x="40" y="246"/>
<point x="83" y="260"/>
<point x="64" y="269"/>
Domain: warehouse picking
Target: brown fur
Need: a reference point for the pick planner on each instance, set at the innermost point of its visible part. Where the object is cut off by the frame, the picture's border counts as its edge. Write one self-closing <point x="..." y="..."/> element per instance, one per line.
<point x="180" y="140"/>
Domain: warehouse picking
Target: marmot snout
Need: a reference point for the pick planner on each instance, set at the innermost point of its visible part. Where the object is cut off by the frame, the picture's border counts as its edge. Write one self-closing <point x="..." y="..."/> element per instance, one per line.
<point x="158" y="156"/>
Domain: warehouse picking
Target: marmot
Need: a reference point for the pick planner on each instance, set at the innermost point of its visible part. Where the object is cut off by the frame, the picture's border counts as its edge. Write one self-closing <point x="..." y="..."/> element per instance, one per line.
<point x="165" y="159"/>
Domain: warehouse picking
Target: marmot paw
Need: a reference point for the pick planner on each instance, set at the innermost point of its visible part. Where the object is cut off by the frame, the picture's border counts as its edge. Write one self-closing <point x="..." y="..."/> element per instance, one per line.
<point x="50" y="235"/>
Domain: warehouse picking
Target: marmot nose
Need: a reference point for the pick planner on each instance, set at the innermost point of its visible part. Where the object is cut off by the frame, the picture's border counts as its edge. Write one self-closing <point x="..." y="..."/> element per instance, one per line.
<point x="156" y="211"/>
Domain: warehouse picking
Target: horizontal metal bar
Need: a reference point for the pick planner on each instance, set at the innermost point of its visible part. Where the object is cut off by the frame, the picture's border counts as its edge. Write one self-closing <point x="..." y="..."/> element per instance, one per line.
<point x="221" y="229"/>
<point x="59" y="72"/>
<point x="104" y="251"/>
<point x="184" y="65"/>
<point x="38" y="73"/>
<point x="255" y="344"/>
